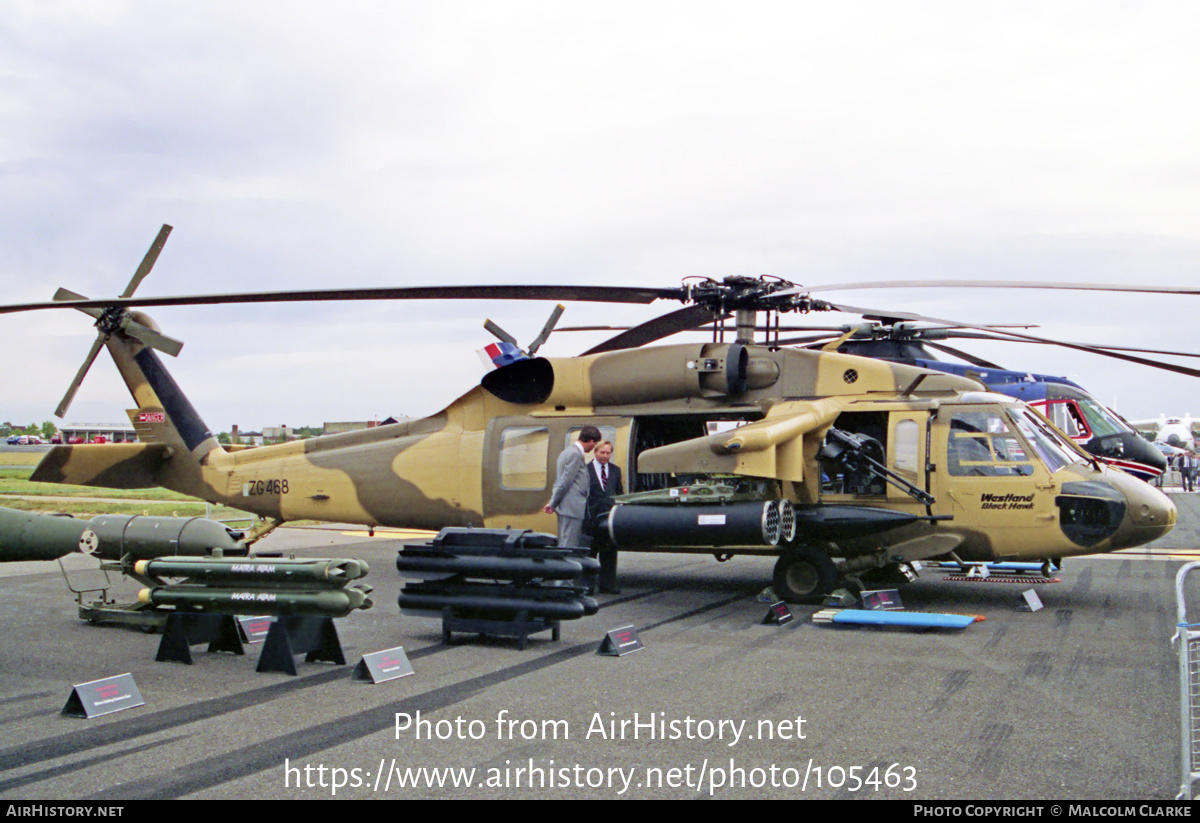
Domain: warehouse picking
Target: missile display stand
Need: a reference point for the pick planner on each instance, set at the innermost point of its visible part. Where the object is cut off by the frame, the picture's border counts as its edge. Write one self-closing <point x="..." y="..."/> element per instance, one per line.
<point x="183" y="630"/>
<point x="314" y="637"/>
<point x="497" y="582"/>
<point x="521" y="625"/>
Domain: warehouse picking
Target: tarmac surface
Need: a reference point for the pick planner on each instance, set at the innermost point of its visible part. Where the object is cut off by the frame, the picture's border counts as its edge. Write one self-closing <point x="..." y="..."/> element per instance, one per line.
<point x="1076" y="701"/>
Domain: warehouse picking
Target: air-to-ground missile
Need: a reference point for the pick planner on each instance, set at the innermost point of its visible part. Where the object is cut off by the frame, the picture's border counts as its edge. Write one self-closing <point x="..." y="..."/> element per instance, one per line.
<point x="550" y="602"/>
<point x="31" y="536"/>
<point x="497" y="574"/>
<point x="427" y="565"/>
<point x="324" y="603"/>
<point x="258" y="571"/>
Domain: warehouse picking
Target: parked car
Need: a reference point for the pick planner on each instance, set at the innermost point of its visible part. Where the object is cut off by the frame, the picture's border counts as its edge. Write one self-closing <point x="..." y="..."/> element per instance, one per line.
<point x="13" y="439"/>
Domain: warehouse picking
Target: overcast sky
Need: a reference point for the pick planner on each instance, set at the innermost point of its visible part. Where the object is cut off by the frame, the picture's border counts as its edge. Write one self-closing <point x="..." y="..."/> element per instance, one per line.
<point x="317" y="145"/>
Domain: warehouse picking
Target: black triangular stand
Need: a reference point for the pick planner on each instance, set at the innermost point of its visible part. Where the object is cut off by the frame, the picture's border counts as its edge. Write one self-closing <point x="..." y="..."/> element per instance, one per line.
<point x="182" y="631"/>
<point x="314" y="637"/>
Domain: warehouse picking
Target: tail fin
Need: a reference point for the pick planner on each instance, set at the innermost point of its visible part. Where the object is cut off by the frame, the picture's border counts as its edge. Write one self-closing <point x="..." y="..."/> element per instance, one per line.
<point x="176" y="451"/>
<point x="164" y="414"/>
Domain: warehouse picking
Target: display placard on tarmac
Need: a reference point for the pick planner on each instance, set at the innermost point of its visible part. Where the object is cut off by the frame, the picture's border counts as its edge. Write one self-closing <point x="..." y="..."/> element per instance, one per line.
<point x="620" y="642"/>
<point x="255" y="629"/>
<point x="100" y="697"/>
<point x="778" y="614"/>
<point x="379" y="667"/>
<point x="882" y="599"/>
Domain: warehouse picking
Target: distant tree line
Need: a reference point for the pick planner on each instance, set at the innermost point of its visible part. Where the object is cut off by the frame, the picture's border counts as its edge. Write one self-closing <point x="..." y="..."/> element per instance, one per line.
<point x="45" y="430"/>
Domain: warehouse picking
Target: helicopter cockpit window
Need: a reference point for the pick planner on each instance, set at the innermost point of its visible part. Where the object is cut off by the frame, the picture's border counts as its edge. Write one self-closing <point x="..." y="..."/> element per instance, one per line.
<point x="523" y="456"/>
<point x="1053" y="452"/>
<point x="1103" y="422"/>
<point x="1067" y="416"/>
<point x="982" y="444"/>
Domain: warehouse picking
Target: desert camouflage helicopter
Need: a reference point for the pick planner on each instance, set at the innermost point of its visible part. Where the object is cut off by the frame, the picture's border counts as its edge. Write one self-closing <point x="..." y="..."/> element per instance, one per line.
<point x="839" y="465"/>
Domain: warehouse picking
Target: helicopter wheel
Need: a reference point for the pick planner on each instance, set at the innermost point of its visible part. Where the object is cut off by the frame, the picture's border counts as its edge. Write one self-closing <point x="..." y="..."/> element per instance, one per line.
<point x="804" y="574"/>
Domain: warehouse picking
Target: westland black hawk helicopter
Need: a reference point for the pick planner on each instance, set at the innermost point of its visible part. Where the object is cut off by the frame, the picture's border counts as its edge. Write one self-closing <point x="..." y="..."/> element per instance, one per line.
<point x="841" y="466"/>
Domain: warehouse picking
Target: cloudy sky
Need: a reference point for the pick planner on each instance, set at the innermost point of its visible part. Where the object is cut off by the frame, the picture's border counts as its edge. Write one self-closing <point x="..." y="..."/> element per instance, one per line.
<point x="316" y="145"/>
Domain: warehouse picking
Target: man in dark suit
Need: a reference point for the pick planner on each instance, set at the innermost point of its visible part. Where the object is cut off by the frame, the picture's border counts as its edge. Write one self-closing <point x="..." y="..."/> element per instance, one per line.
<point x="605" y="480"/>
<point x="569" y="500"/>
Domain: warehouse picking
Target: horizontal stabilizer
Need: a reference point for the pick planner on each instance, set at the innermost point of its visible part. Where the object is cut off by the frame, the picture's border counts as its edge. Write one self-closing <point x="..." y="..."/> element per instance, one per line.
<point x="112" y="466"/>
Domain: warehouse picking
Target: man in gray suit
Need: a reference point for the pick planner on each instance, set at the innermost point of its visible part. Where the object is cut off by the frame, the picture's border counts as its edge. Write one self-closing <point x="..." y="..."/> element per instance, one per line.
<point x="570" y="496"/>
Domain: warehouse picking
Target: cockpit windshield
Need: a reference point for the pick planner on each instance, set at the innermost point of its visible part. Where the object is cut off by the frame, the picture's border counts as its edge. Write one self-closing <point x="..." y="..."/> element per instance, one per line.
<point x="1004" y="441"/>
<point x="1102" y="421"/>
<point x="1099" y="420"/>
<point x="1049" y="445"/>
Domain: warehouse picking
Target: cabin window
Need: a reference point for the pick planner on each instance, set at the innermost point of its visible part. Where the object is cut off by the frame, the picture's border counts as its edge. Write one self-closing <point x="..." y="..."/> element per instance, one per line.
<point x="982" y="444"/>
<point x="524" y="452"/>
<point x="907" y="446"/>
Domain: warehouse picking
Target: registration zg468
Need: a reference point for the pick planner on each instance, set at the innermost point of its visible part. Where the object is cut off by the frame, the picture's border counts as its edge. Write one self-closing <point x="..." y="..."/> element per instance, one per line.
<point x="256" y="487"/>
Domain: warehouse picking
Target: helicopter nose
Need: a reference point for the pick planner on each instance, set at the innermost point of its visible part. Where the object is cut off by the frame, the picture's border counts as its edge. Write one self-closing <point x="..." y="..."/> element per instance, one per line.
<point x="1113" y="510"/>
<point x="1149" y="514"/>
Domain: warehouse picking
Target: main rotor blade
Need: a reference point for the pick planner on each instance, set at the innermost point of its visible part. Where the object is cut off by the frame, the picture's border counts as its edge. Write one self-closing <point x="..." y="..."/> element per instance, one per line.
<point x="588" y="294"/>
<point x="97" y="344"/>
<point x="665" y="325"/>
<point x="148" y="261"/>
<point x="988" y="284"/>
<point x="1169" y="352"/>
<point x="970" y="358"/>
<point x="1031" y="338"/>
<point x="812" y="338"/>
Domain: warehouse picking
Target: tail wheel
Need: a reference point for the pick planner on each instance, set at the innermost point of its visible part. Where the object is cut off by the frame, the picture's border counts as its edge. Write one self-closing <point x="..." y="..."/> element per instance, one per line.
<point x="804" y="574"/>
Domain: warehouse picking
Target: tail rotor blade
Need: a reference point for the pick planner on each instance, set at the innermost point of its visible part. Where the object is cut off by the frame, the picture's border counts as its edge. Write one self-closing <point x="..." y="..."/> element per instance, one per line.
<point x="83" y="370"/>
<point x="152" y="338"/>
<point x="148" y="261"/>
<point x="66" y="295"/>
<point x="549" y="327"/>
<point x="665" y="325"/>
<point x="500" y="333"/>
